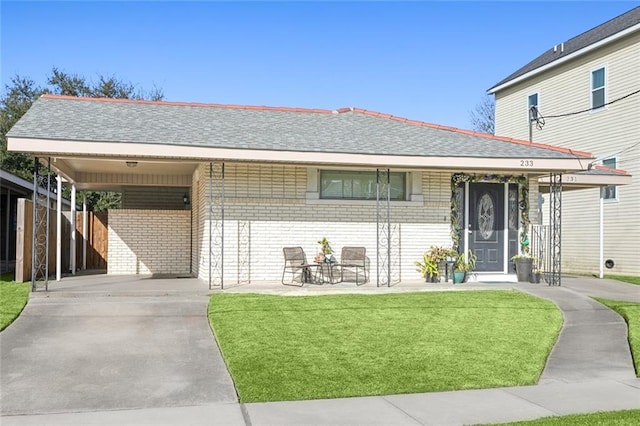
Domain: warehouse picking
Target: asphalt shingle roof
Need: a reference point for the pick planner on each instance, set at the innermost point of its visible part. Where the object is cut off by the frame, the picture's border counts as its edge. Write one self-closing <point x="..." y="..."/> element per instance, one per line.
<point x="347" y="130"/>
<point x="594" y="35"/>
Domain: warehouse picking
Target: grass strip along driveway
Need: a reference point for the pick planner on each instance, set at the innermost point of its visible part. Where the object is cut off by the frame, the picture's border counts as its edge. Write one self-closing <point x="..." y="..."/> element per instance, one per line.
<point x="630" y="311"/>
<point x="309" y="347"/>
<point x="13" y="298"/>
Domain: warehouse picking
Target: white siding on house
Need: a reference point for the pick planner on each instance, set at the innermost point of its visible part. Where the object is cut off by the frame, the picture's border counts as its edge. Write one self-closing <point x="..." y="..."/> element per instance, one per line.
<point x="604" y="132"/>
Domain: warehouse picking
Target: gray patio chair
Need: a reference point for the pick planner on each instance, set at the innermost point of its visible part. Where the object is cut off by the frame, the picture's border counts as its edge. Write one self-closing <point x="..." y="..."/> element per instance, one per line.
<point x="354" y="261"/>
<point x="295" y="263"/>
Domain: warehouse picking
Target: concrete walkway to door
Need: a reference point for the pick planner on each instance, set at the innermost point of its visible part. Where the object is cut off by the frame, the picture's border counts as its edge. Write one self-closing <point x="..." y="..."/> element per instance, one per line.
<point x="101" y="342"/>
<point x="588" y="370"/>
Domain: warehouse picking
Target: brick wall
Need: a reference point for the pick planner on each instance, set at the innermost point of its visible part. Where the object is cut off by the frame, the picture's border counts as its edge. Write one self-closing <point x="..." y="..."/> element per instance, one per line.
<point x="149" y="242"/>
<point x="274" y="203"/>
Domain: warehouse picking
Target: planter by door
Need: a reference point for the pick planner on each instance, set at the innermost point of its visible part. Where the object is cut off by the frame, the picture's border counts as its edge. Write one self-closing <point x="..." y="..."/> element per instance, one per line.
<point x="523" y="269"/>
<point x="459" y="277"/>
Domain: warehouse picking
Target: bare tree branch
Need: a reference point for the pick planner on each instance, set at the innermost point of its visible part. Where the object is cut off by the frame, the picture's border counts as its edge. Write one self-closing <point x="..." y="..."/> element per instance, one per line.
<point x="483" y="116"/>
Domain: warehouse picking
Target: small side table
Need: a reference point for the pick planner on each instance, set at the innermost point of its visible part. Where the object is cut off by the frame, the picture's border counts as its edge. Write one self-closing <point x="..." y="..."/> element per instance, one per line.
<point x="328" y="276"/>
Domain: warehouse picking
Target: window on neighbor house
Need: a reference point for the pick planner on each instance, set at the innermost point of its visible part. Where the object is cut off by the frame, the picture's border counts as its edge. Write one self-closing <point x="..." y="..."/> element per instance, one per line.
<point x="358" y="185"/>
<point x="598" y="88"/>
<point x="532" y="102"/>
<point x="610" y="192"/>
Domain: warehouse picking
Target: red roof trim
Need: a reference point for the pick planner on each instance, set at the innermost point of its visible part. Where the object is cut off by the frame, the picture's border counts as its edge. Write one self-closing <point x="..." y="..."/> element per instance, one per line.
<point x="339" y="111"/>
<point x="471" y="132"/>
<point x="609" y="169"/>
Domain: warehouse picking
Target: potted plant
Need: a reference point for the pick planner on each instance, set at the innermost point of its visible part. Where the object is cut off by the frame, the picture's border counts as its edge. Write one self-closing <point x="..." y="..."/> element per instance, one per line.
<point x="463" y="266"/>
<point x="434" y="261"/>
<point x="536" y="275"/>
<point x="428" y="268"/>
<point x="325" y="250"/>
<point x="524" y="266"/>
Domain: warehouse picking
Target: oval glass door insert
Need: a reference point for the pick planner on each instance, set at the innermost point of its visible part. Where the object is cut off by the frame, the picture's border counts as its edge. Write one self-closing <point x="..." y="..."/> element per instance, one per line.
<point x="486" y="216"/>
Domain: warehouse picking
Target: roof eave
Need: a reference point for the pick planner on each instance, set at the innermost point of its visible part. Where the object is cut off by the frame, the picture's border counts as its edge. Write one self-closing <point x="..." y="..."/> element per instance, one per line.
<point x="567" y="58"/>
<point x="73" y="149"/>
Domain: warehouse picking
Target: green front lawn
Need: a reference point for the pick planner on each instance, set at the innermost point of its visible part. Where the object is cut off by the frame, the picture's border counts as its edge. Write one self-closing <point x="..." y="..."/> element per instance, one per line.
<point x="619" y="418"/>
<point x="625" y="278"/>
<point x="308" y="347"/>
<point x="631" y="313"/>
<point x="13" y="298"/>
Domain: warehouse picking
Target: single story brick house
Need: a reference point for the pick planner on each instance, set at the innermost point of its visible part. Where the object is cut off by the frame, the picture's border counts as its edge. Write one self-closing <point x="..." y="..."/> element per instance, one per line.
<point x="217" y="191"/>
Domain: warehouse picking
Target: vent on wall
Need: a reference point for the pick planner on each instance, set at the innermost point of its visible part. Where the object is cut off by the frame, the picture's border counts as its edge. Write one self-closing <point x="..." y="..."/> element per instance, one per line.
<point x="155" y="197"/>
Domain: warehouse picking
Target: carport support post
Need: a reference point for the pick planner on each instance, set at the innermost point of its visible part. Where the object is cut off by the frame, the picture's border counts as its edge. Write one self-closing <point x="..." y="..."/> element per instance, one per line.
<point x="84" y="230"/>
<point x="59" y="228"/>
<point x="72" y="249"/>
<point x="6" y="234"/>
<point x="602" y="232"/>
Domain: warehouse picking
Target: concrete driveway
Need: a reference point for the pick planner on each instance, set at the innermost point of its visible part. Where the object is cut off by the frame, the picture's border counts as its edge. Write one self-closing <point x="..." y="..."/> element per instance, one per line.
<point x="105" y="343"/>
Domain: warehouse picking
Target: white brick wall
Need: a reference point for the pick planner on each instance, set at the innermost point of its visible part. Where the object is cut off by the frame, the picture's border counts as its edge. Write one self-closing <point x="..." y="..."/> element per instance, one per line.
<point x="273" y="200"/>
<point x="149" y="242"/>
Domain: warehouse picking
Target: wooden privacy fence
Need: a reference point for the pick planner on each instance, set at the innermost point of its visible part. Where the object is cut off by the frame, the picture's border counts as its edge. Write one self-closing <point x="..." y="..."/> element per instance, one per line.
<point x="97" y="237"/>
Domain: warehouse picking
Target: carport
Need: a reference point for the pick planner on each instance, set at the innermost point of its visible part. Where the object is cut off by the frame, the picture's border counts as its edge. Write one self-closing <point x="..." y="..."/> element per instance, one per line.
<point x="547" y="245"/>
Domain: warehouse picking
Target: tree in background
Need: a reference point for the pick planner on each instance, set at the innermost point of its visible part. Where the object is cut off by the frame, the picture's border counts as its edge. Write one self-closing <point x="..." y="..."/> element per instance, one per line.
<point x="18" y="97"/>
<point x="483" y="116"/>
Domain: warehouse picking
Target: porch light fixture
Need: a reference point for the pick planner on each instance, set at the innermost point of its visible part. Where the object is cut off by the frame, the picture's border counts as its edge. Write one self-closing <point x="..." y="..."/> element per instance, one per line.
<point x="131" y="164"/>
<point x="185" y="199"/>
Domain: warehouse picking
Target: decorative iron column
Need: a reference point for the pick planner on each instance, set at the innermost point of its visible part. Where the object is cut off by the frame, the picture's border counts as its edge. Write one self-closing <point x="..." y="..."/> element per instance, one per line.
<point x="383" y="227"/>
<point x="216" y="225"/>
<point x="555" y="228"/>
<point x="40" y="228"/>
<point x="244" y="252"/>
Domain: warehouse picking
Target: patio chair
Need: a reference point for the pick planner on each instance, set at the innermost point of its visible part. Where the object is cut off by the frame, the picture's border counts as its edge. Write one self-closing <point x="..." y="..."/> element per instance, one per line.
<point x="295" y="263"/>
<point x="354" y="261"/>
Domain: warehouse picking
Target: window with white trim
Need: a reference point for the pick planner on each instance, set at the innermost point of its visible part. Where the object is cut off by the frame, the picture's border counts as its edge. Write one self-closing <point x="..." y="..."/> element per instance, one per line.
<point x="610" y="192"/>
<point x="532" y="102"/>
<point x="359" y="185"/>
<point x="598" y="88"/>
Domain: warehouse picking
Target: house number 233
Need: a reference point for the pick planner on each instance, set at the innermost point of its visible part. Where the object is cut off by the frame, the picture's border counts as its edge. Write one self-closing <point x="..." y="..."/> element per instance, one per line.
<point x="526" y="163"/>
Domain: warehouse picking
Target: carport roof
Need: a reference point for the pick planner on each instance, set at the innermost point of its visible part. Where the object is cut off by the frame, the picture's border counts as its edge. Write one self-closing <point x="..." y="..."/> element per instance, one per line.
<point x="595" y="176"/>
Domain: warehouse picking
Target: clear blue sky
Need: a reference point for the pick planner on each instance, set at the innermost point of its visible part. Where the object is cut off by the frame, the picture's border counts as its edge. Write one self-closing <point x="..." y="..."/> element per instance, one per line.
<point x="430" y="61"/>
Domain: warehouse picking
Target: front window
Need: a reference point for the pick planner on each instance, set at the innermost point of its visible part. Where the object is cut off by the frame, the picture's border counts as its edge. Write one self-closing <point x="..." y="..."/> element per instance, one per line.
<point x="597" y="88"/>
<point x="610" y="192"/>
<point x="358" y="185"/>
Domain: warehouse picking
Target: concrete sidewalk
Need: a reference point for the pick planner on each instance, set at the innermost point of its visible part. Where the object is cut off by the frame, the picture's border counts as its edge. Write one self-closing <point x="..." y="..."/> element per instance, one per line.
<point x="589" y="370"/>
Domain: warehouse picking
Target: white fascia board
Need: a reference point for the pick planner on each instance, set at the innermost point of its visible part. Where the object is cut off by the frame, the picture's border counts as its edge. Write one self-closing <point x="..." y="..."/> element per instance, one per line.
<point x="590" y="180"/>
<point x="203" y="154"/>
<point x="567" y="58"/>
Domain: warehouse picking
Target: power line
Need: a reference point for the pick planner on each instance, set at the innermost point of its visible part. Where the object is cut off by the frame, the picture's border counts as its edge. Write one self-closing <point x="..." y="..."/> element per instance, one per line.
<point x="619" y="152"/>
<point x="590" y="109"/>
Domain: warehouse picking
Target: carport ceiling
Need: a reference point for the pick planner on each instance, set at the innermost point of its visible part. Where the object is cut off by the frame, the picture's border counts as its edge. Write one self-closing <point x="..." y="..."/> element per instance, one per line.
<point x="111" y="174"/>
<point x="119" y="166"/>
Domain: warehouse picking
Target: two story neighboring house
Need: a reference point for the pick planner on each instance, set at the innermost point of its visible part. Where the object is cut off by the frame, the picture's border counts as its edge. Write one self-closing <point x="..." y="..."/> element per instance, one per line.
<point x="587" y="94"/>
